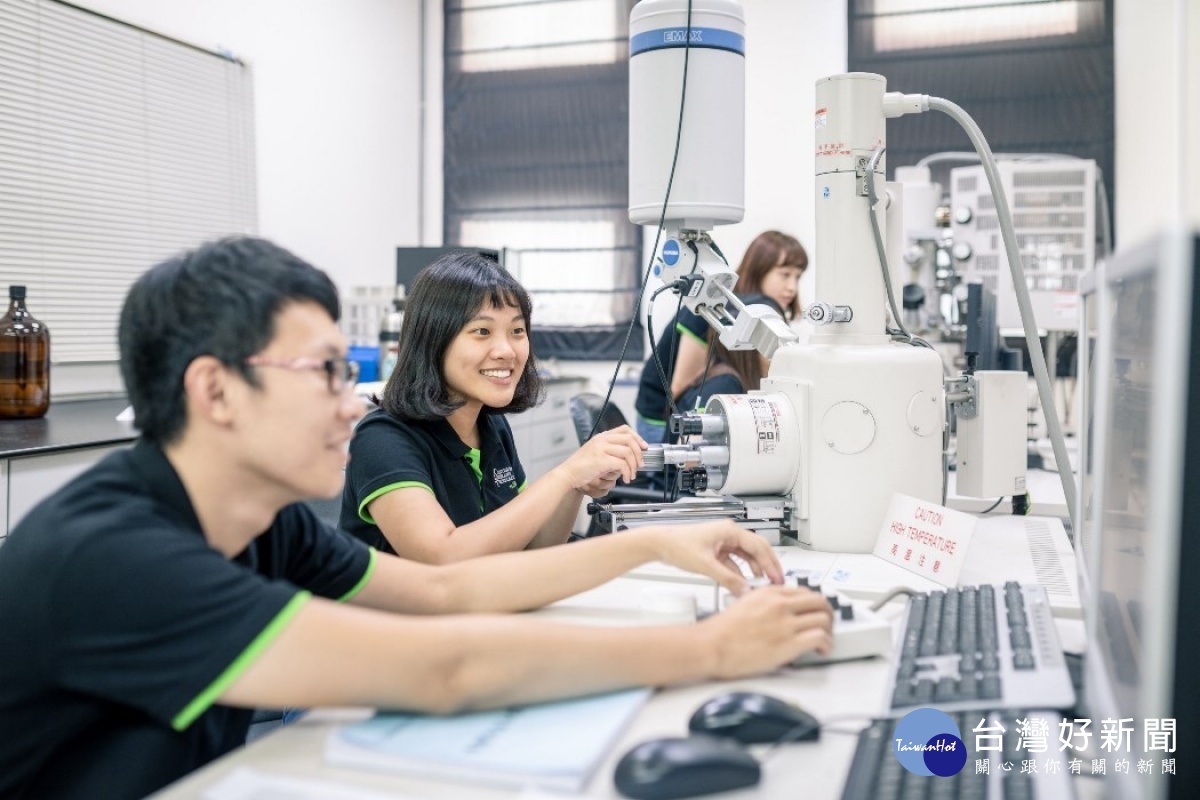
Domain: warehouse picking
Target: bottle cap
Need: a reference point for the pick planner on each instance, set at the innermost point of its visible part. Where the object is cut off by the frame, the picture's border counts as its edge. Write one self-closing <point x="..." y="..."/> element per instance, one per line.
<point x="16" y="292"/>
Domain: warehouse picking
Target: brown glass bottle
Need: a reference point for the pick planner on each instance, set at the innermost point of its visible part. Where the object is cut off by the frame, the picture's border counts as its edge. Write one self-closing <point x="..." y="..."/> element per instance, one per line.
<point x="24" y="361"/>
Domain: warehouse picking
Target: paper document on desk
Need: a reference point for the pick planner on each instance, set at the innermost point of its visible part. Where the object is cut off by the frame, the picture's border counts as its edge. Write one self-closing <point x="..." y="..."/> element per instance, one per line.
<point x="246" y="783"/>
<point x="550" y="745"/>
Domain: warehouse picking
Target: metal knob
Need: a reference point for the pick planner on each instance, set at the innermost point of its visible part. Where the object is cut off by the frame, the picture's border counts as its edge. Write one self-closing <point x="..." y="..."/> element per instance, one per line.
<point x="653" y="459"/>
<point x="825" y="313"/>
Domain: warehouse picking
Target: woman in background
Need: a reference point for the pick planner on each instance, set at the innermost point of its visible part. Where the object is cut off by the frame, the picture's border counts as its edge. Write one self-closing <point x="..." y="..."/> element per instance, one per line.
<point x="434" y="474"/>
<point x="728" y="371"/>
<point x="772" y="266"/>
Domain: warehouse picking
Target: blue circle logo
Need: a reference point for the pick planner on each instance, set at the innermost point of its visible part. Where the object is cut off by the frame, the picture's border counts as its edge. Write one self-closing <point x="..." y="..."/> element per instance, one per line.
<point x="928" y="742"/>
<point x="671" y="252"/>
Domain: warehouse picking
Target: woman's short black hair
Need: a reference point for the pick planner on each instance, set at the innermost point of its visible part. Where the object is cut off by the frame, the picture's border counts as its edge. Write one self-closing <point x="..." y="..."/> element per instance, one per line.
<point x="446" y="296"/>
<point x="220" y="299"/>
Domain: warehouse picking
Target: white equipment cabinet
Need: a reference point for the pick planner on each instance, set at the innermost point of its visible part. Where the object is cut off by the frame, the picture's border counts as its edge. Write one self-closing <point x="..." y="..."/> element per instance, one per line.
<point x="39" y="456"/>
<point x="28" y="480"/>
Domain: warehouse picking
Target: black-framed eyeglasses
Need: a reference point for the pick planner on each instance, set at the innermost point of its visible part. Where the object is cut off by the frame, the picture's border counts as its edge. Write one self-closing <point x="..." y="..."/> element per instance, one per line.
<point x="340" y="373"/>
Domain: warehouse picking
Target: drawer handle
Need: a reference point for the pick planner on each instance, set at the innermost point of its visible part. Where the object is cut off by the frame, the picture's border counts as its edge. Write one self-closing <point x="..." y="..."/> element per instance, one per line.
<point x="559" y="402"/>
<point x="558" y="438"/>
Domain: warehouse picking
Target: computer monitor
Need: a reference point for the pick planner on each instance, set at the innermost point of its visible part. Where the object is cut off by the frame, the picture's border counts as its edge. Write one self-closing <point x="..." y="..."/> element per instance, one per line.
<point x="411" y="260"/>
<point x="1090" y="285"/>
<point x="1143" y="612"/>
<point x="983" y="337"/>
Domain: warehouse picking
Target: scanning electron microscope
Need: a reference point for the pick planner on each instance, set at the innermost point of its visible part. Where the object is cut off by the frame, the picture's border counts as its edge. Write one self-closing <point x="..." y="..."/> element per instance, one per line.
<point x="857" y="414"/>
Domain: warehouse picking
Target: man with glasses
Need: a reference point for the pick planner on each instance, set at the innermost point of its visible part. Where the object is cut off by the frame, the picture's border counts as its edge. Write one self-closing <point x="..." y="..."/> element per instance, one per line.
<point x="148" y="606"/>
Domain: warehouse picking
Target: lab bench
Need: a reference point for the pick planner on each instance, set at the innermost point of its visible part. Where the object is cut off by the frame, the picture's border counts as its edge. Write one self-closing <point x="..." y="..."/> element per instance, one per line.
<point x="37" y="456"/>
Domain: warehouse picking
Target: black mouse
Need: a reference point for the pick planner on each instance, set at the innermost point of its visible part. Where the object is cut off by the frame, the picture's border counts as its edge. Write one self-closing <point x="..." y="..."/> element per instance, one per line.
<point x="753" y="718"/>
<point x="664" y="769"/>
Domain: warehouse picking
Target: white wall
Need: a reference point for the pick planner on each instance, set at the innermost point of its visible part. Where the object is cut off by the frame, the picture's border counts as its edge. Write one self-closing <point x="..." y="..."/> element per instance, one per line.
<point x="337" y="87"/>
<point x="789" y="46"/>
<point x="1157" y="61"/>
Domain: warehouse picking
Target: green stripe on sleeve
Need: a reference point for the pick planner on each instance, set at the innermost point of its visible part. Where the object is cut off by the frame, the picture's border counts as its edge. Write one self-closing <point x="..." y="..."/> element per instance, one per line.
<point x="240" y="664"/>
<point x="366" y="577"/>
<point x="521" y="488"/>
<point x="680" y="327"/>
<point x="391" y="487"/>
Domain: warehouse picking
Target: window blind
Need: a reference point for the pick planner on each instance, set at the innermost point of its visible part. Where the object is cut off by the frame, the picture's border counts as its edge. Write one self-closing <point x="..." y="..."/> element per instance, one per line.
<point x="537" y="161"/>
<point x="118" y="148"/>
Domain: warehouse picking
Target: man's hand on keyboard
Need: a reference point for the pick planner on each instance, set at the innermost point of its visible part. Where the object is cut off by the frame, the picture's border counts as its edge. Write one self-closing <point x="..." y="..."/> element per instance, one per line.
<point x="767" y="628"/>
<point x="708" y="549"/>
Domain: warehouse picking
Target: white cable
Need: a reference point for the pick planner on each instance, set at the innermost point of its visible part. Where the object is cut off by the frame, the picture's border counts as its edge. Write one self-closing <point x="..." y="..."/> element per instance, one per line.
<point x="967" y="155"/>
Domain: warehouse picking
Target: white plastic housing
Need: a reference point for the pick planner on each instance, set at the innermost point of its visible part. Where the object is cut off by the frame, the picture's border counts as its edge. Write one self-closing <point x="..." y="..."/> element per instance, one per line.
<point x="871" y="419"/>
<point x="922" y="197"/>
<point x="991" y="445"/>
<point x="849" y="127"/>
<point x="763" y="441"/>
<point x="709" y="183"/>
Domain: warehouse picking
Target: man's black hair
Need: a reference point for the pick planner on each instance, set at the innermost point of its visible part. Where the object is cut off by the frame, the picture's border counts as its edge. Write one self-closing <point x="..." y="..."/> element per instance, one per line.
<point x="220" y="299"/>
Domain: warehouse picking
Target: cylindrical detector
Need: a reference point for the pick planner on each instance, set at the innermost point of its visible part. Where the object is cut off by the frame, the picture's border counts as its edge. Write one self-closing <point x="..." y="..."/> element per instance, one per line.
<point x="708" y="187"/>
<point x="849" y="127"/>
<point x="763" y="440"/>
<point x="849" y="122"/>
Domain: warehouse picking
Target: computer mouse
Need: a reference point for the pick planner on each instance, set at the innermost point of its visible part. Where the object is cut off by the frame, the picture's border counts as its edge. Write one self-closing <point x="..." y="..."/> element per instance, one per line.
<point x="664" y="769"/>
<point x="753" y="718"/>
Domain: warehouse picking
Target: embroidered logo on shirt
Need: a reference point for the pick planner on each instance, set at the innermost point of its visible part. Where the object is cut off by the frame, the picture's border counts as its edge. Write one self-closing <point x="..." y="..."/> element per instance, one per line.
<point x="503" y="475"/>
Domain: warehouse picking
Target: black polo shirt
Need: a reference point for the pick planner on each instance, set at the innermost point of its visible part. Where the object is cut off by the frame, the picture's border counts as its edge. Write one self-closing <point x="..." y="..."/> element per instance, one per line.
<point x="651" y="402"/>
<point x="697" y="395"/>
<point x="389" y="453"/>
<point x="120" y="625"/>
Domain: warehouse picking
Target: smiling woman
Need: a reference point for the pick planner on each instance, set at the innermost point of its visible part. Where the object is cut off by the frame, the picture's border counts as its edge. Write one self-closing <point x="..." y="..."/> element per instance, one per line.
<point x="434" y="474"/>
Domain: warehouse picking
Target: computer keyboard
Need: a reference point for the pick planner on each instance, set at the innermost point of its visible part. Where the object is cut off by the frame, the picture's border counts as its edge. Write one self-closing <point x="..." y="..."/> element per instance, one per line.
<point x="980" y="647"/>
<point x="1013" y="771"/>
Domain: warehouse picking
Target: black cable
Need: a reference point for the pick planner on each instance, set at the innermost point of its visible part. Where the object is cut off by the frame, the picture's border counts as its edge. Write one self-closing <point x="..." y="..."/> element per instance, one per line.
<point x="707" y="366"/>
<point x="662" y="221"/>
<point x="805" y="728"/>
<point x="713" y="246"/>
<point x="681" y="285"/>
<point x="992" y="507"/>
<point x="872" y="199"/>
<point x="678" y="487"/>
<point x="709" y="358"/>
